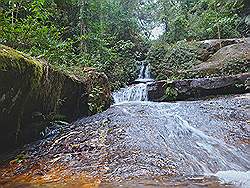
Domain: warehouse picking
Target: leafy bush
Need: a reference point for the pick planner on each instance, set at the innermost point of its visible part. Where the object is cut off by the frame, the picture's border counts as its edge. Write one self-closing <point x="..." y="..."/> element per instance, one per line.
<point x="201" y="19"/>
<point x="72" y="34"/>
<point x="167" y="60"/>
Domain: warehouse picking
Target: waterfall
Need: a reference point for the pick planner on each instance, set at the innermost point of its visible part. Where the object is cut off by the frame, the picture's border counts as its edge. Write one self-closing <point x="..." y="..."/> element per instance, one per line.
<point x="141" y="74"/>
<point x="144" y="74"/>
<point x="138" y="91"/>
<point x="147" y="72"/>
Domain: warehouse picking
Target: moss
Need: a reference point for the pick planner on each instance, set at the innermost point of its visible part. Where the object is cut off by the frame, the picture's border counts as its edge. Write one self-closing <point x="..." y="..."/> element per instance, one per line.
<point x="16" y="62"/>
<point x="20" y="76"/>
<point x="32" y="94"/>
<point x="170" y="94"/>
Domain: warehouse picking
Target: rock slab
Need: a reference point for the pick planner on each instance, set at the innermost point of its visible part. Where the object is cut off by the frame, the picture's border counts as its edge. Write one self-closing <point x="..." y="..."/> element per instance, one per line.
<point x="198" y="88"/>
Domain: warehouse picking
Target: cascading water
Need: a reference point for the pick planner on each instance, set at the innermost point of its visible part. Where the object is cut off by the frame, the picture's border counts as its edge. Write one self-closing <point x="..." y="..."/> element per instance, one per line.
<point x="141" y="71"/>
<point x="144" y="72"/>
<point x="147" y="72"/>
<point x="135" y="92"/>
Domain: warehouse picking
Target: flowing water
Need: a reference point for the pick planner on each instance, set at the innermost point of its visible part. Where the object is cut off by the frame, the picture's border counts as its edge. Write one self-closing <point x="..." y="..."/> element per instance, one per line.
<point x="138" y="143"/>
<point x="144" y="71"/>
<point x="135" y="92"/>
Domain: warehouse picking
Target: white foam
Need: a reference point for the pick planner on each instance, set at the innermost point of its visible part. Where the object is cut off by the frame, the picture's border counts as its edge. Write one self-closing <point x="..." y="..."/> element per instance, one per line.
<point x="136" y="92"/>
<point x="238" y="178"/>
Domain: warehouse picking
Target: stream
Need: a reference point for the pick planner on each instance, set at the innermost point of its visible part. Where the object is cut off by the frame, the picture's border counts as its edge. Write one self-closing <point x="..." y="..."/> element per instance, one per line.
<point x="138" y="143"/>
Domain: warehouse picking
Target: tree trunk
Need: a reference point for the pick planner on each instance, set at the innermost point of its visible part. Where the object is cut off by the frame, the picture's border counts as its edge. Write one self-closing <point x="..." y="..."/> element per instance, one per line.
<point x="83" y="29"/>
<point x="219" y="35"/>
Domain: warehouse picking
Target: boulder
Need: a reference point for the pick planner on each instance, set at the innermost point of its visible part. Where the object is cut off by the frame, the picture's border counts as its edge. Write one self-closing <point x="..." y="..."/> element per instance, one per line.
<point x="190" y="89"/>
<point x="207" y="48"/>
<point x="196" y="59"/>
<point x="234" y="51"/>
<point x="32" y="94"/>
<point x="232" y="59"/>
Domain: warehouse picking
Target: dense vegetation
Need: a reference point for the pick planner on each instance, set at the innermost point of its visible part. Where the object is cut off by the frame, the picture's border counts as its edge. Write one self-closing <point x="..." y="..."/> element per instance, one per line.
<point x="188" y="21"/>
<point x="73" y="34"/>
<point x="111" y="35"/>
<point x="202" y="19"/>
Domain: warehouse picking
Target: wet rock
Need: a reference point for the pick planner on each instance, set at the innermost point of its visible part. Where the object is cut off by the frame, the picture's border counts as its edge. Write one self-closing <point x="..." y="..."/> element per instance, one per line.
<point x="160" y="141"/>
<point x="156" y="90"/>
<point x="198" y="88"/>
<point x="32" y="94"/>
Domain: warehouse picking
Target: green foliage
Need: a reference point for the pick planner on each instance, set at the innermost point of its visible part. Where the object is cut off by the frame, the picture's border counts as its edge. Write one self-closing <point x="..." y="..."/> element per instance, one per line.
<point x="235" y="66"/>
<point x="72" y="34"/>
<point x="200" y="19"/>
<point x="119" y="63"/>
<point x="219" y="20"/>
<point x="95" y="105"/>
<point x="175" y="62"/>
<point x="108" y="34"/>
<point x="170" y="94"/>
<point x="167" y="60"/>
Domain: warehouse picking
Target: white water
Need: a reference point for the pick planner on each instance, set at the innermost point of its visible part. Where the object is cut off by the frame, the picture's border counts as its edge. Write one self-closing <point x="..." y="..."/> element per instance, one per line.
<point x="238" y="178"/>
<point x="141" y="72"/>
<point x="135" y="92"/>
<point x="190" y="134"/>
<point x="144" y="72"/>
<point x="147" y="72"/>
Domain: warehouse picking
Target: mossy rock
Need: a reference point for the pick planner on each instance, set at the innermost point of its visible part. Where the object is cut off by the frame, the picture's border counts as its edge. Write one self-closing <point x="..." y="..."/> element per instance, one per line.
<point x="20" y="75"/>
<point x="32" y="94"/>
<point x="14" y="63"/>
<point x="209" y="58"/>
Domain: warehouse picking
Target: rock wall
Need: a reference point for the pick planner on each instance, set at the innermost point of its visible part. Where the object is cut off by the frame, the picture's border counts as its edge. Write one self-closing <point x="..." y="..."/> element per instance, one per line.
<point x="32" y="94"/>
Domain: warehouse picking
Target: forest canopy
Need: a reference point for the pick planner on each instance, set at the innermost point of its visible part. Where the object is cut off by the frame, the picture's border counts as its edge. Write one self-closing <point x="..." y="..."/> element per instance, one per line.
<point x="113" y="34"/>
